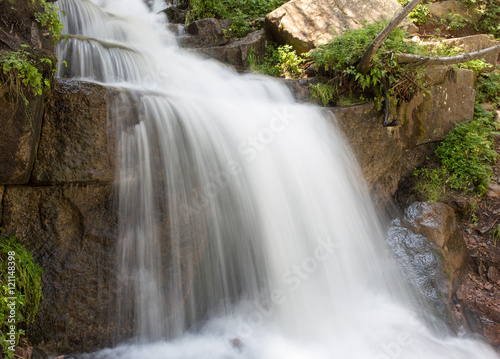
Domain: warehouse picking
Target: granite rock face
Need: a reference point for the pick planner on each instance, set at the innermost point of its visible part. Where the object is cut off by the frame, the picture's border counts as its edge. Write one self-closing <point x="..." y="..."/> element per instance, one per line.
<point x="77" y="144"/>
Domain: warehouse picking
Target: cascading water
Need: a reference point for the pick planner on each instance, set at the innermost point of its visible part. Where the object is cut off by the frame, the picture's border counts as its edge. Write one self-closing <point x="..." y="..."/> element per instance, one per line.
<point x="244" y="230"/>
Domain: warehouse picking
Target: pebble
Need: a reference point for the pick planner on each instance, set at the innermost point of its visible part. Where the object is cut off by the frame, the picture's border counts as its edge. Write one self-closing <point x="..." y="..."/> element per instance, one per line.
<point x="488" y="286"/>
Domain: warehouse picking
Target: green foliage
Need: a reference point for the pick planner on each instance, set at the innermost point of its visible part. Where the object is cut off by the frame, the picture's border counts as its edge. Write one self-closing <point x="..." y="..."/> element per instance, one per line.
<point x="431" y="183"/>
<point x="457" y="22"/>
<point x="323" y="93"/>
<point x="419" y="15"/>
<point x="468" y="152"/>
<point x="466" y="157"/>
<point x="22" y="65"/>
<point x="488" y="88"/>
<point x="279" y="61"/>
<point x="240" y="12"/>
<point x="340" y="58"/>
<point x="49" y="17"/>
<point x="490" y="11"/>
<point x="27" y="290"/>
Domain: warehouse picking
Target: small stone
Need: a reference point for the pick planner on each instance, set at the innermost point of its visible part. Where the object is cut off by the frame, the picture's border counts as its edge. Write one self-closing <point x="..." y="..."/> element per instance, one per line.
<point x="493" y="274"/>
<point x="493" y="190"/>
<point x="488" y="106"/>
<point x="488" y="286"/>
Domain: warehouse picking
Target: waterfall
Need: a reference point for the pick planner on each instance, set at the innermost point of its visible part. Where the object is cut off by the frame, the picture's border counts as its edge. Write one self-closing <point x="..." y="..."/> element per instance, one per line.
<point x="245" y="227"/>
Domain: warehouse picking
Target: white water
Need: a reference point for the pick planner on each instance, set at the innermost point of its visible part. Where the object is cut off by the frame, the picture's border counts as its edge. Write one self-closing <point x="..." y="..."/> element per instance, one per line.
<point x="241" y="204"/>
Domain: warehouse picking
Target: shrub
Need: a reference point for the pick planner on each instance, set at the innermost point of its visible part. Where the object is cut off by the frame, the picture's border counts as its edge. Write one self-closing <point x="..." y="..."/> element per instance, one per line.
<point x="279" y="61"/>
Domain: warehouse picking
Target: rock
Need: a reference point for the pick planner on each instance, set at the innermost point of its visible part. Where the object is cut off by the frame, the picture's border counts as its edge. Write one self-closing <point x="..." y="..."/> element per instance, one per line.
<point x="387" y="154"/>
<point x="206" y="33"/>
<point x="77" y="143"/>
<point x="71" y="232"/>
<point x="176" y="15"/>
<point x="475" y="43"/>
<point x="431" y="252"/>
<point x="493" y="190"/>
<point x="20" y="133"/>
<point x="305" y="24"/>
<point x="493" y="274"/>
<point x="437" y="222"/>
<point x="453" y="7"/>
<point x="488" y="106"/>
<point x="236" y="52"/>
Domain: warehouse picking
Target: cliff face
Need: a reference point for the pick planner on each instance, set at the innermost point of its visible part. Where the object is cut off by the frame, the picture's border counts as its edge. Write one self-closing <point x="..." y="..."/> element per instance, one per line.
<point x="20" y="109"/>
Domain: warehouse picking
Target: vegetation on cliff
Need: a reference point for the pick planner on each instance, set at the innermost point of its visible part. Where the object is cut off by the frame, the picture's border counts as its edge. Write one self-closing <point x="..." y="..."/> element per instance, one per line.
<point x="21" y="287"/>
<point x="463" y="161"/>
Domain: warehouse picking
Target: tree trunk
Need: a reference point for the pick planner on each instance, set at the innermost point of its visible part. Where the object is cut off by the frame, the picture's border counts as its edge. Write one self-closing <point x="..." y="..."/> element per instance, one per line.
<point x="367" y="59"/>
<point x="419" y="60"/>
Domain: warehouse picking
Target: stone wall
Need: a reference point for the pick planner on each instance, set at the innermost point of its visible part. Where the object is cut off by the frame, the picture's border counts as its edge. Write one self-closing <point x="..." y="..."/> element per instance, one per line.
<point x="63" y="210"/>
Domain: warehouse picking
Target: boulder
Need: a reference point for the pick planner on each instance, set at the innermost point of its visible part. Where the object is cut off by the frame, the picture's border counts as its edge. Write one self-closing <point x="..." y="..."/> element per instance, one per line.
<point x="387" y="154"/>
<point x="206" y="33"/>
<point x="475" y="43"/>
<point x="77" y="143"/>
<point x="433" y="255"/>
<point x="305" y="24"/>
<point x="236" y="52"/>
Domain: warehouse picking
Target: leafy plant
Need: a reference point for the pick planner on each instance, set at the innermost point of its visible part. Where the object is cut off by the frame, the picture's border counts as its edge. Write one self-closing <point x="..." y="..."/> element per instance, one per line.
<point x="490" y="19"/>
<point x="431" y="183"/>
<point x="419" y="15"/>
<point x="49" y="17"/>
<point x="20" y="282"/>
<point x="279" y="61"/>
<point x="468" y="152"/>
<point x="466" y="157"/>
<point x="241" y="12"/>
<point x="488" y="88"/>
<point x="457" y="22"/>
<point x="340" y="57"/>
<point x="22" y="66"/>
<point x="322" y="93"/>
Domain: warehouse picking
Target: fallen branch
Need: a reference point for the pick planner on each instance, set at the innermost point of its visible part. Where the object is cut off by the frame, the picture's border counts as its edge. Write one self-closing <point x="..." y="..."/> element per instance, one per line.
<point x="419" y="60"/>
<point x="367" y="58"/>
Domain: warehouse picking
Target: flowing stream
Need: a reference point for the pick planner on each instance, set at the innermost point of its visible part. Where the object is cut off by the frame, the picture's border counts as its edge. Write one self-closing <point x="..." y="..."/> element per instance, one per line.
<point x="245" y="228"/>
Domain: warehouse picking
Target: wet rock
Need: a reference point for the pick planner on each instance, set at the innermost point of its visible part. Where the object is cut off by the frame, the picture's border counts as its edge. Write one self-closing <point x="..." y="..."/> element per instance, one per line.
<point x="77" y="142"/>
<point x="206" y="33"/>
<point x="71" y="232"/>
<point x="236" y="53"/>
<point x="429" y="248"/>
<point x="305" y="24"/>
<point x="176" y="15"/>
